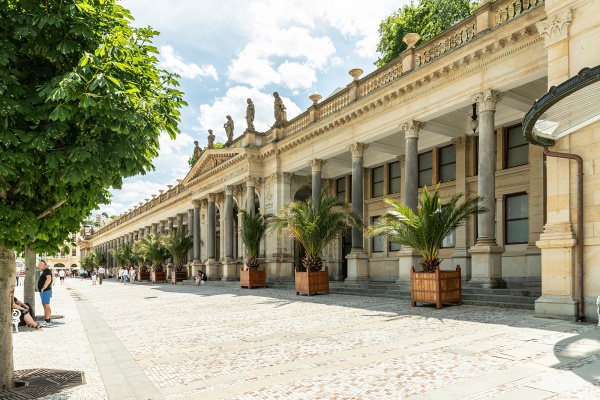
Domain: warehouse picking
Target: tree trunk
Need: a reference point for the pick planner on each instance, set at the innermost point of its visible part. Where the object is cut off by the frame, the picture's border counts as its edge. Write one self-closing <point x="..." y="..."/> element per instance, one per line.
<point x="8" y="274"/>
<point x="29" y="288"/>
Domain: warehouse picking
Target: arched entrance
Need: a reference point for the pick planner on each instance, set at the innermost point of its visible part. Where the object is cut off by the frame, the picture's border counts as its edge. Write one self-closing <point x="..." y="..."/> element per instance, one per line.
<point x="301" y="195"/>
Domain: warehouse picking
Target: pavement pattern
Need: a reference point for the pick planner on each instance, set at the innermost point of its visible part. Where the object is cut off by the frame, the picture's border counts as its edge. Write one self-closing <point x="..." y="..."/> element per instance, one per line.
<point x="217" y="341"/>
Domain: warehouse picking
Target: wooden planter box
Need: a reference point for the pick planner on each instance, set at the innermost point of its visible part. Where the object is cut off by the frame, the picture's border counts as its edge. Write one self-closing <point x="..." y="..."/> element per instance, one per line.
<point x="310" y="282"/>
<point x="181" y="276"/>
<point x="159" y="277"/>
<point x="143" y="275"/>
<point x="252" y="278"/>
<point x="435" y="287"/>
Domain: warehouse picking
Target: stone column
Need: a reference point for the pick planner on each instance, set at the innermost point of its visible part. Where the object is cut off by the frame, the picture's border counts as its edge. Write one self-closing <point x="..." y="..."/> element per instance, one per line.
<point x="316" y="167"/>
<point x="486" y="255"/>
<point x="358" y="261"/>
<point x="279" y="247"/>
<point x="460" y="255"/>
<point x="229" y="266"/>
<point x="195" y="226"/>
<point x="411" y="131"/>
<point x="250" y="195"/>
<point x="212" y="267"/>
<point x="407" y="256"/>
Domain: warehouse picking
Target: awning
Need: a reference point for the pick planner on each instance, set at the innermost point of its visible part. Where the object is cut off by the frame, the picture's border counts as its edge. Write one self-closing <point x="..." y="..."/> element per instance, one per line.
<point x="568" y="107"/>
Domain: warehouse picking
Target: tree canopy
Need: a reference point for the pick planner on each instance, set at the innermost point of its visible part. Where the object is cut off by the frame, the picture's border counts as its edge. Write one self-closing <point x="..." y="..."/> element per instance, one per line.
<point x="427" y="18"/>
<point x="82" y="106"/>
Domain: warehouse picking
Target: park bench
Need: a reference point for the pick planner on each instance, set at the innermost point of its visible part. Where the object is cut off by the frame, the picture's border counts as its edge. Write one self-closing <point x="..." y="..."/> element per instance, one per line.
<point x="16" y="318"/>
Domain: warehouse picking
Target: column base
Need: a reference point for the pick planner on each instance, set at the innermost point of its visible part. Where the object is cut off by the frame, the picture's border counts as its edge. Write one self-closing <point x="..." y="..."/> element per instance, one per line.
<point x="212" y="270"/>
<point x="358" y="267"/>
<point x="230" y="271"/>
<point x="486" y="266"/>
<point x="461" y="257"/>
<point x="407" y="258"/>
<point x="561" y="307"/>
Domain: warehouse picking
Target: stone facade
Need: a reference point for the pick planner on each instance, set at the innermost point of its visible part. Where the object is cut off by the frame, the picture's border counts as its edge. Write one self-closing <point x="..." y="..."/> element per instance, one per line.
<point x="403" y="126"/>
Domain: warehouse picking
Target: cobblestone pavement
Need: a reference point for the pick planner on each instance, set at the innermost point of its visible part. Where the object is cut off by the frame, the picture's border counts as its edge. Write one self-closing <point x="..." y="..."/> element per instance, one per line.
<point x="218" y="341"/>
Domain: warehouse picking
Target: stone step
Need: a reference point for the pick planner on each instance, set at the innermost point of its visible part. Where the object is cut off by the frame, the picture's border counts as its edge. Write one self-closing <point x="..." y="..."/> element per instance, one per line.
<point x="500" y="299"/>
<point x="520" y="306"/>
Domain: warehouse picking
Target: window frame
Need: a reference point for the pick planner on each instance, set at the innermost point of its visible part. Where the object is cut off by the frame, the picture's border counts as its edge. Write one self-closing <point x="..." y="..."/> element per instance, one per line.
<point x="382" y="181"/>
<point x="419" y="170"/>
<point x="337" y="192"/>
<point x="507" y="220"/>
<point x="441" y="165"/>
<point x="390" y="177"/>
<point x="507" y="149"/>
<point x="373" y="221"/>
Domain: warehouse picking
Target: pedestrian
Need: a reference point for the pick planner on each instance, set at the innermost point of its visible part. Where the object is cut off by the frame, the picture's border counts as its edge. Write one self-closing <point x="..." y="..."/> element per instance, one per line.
<point x="21" y="276"/>
<point x="101" y="274"/>
<point x="201" y="278"/>
<point x="61" y="275"/>
<point x="45" y="289"/>
<point x="132" y="275"/>
<point x="94" y="276"/>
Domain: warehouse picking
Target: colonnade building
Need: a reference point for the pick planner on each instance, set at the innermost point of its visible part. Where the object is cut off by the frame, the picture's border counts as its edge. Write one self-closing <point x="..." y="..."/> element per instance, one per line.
<point x="447" y="113"/>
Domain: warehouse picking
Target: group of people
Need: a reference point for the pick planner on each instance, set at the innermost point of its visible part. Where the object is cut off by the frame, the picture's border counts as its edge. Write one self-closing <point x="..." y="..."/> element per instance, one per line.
<point x="44" y="286"/>
<point x="127" y="274"/>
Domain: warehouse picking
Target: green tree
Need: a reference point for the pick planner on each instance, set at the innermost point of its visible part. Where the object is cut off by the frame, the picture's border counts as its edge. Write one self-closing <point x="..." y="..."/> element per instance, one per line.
<point x="252" y="230"/>
<point x="218" y="145"/>
<point x="427" y="18"/>
<point x="315" y="225"/>
<point x="82" y="106"/>
<point x="425" y="230"/>
<point x="177" y="244"/>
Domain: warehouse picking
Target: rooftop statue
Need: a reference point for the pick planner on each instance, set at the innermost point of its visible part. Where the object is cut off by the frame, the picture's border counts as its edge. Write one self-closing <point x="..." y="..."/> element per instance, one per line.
<point x="211" y="139"/>
<point x="250" y="115"/>
<point x="229" y="129"/>
<point x="197" y="151"/>
<point x="280" y="114"/>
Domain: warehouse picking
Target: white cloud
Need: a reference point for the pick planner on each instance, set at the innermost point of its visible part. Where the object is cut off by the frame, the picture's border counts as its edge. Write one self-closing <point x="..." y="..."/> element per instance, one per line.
<point x="234" y="104"/>
<point x="297" y="75"/>
<point x="171" y="61"/>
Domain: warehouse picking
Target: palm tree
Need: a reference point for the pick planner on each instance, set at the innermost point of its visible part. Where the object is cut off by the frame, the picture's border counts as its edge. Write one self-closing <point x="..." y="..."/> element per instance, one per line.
<point x="152" y="248"/>
<point x="425" y="230"/>
<point x="177" y="245"/>
<point x="118" y="255"/>
<point x="252" y="230"/>
<point x="99" y="259"/>
<point x="315" y="226"/>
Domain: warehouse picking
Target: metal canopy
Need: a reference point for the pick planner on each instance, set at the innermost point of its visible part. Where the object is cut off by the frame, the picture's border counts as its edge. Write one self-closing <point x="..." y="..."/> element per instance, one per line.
<point x="566" y="108"/>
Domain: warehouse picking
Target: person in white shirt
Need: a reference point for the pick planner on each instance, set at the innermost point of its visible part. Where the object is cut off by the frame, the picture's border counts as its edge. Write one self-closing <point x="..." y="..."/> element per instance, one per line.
<point x="132" y="275"/>
<point x="100" y="274"/>
<point x="61" y="275"/>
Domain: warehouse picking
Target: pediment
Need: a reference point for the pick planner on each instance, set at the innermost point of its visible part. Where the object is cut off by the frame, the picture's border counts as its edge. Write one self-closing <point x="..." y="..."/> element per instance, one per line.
<point x="211" y="160"/>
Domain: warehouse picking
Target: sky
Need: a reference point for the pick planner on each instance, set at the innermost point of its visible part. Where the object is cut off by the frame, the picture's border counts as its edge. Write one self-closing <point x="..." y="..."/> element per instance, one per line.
<point x="229" y="50"/>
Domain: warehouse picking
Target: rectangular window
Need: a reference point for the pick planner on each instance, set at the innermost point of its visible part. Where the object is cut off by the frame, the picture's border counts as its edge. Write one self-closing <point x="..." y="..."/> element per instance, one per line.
<point x="447" y="163"/>
<point x="73" y="252"/>
<point x="377" y="241"/>
<point x="377" y="182"/>
<point x="340" y="188"/>
<point x="395" y="246"/>
<point x="394" y="176"/>
<point x="517" y="218"/>
<point x="425" y="168"/>
<point x="450" y="240"/>
<point x="517" y="148"/>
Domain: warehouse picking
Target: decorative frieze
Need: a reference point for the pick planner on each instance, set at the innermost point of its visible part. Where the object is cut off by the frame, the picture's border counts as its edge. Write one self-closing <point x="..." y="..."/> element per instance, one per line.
<point x="556" y="27"/>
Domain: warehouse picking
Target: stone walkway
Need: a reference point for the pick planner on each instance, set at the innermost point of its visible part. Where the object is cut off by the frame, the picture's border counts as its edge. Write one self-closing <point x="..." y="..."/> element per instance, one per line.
<point x="217" y="341"/>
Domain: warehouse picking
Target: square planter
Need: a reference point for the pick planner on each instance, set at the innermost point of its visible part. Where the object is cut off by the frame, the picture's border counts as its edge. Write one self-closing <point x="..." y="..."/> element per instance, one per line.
<point x="181" y="276"/>
<point x="144" y="274"/>
<point x="310" y="282"/>
<point x="251" y="278"/>
<point x="159" y="276"/>
<point x="436" y="287"/>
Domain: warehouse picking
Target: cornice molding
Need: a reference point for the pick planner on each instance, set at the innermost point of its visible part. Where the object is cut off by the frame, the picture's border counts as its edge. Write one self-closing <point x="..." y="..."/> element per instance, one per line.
<point x="556" y="27"/>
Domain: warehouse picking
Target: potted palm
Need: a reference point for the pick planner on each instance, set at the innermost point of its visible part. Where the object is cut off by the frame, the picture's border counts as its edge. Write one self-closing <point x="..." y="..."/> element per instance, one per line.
<point x="314" y="226"/>
<point x="140" y="257"/>
<point x="152" y="248"/>
<point x="178" y="245"/>
<point x="424" y="231"/>
<point x="252" y="230"/>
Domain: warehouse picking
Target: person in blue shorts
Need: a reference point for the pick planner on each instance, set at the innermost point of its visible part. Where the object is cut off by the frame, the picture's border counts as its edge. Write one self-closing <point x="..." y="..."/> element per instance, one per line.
<point x="45" y="289"/>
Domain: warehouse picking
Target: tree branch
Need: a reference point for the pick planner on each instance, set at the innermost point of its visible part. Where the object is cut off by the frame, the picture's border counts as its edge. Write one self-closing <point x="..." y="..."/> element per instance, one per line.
<point x="48" y="211"/>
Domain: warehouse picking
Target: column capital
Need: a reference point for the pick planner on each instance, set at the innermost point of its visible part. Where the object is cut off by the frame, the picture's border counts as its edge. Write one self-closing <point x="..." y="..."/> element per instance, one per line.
<point x="411" y="129"/>
<point x="358" y="149"/>
<point x="190" y="211"/>
<point x="170" y="219"/>
<point x="316" y="164"/>
<point x="462" y="142"/>
<point x="251" y="181"/>
<point x="211" y="197"/>
<point x="402" y="160"/>
<point x="487" y="100"/>
<point x="197" y="203"/>
<point x="556" y="27"/>
<point x="229" y="190"/>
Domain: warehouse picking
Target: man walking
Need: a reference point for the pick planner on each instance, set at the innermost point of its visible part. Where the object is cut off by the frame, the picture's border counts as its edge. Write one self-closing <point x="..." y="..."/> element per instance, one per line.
<point x="61" y="275"/>
<point x="101" y="274"/>
<point x="45" y="288"/>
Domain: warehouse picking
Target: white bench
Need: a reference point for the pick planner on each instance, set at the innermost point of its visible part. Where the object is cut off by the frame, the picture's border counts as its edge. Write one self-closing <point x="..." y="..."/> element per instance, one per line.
<point x="16" y="318"/>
